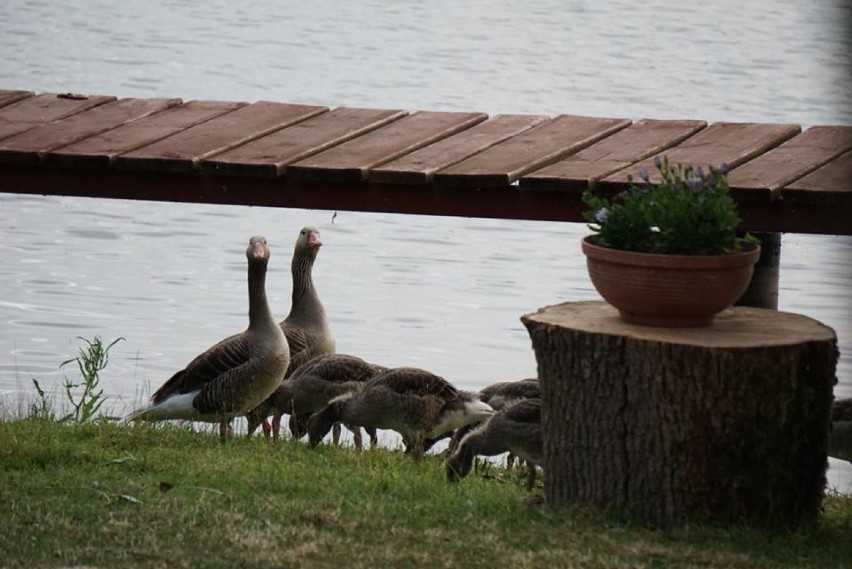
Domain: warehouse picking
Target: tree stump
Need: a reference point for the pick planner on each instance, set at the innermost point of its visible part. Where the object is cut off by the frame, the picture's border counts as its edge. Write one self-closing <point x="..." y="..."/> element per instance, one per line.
<point x="724" y="423"/>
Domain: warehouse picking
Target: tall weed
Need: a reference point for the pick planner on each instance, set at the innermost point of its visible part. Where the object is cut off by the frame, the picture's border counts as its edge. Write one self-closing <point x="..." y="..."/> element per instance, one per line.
<point x="87" y="397"/>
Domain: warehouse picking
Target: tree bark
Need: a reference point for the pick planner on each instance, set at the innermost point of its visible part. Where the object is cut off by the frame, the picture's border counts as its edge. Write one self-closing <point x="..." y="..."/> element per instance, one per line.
<point x="722" y="423"/>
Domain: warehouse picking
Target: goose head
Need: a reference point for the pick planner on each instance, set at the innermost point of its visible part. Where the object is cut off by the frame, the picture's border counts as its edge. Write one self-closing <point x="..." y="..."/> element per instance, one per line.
<point x="466" y="410"/>
<point x="257" y="251"/>
<point x="460" y="463"/>
<point x="308" y="242"/>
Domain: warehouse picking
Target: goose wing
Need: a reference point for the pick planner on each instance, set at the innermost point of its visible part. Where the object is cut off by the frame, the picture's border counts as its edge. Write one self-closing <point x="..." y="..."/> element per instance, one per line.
<point x="300" y="346"/>
<point x="415" y="381"/>
<point x="527" y="411"/>
<point x="504" y="392"/>
<point x="229" y="354"/>
<point x="338" y="368"/>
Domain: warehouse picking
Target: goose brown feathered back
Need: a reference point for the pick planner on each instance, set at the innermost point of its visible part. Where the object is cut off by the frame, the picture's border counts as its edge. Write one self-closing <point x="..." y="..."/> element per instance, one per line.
<point x="234" y="375"/>
<point x="306" y="327"/>
<point x="499" y="395"/>
<point x="515" y="428"/>
<point x="310" y="388"/>
<point x="413" y="402"/>
<point x="504" y="393"/>
<point x="326" y="378"/>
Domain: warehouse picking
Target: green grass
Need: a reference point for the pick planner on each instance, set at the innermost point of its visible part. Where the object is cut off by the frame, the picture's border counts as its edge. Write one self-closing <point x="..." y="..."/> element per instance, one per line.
<point x="104" y="495"/>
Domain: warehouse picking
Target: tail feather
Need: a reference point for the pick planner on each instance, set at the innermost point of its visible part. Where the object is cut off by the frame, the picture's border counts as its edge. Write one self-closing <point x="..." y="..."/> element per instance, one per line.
<point x="174" y="407"/>
<point x="140" y="414"/>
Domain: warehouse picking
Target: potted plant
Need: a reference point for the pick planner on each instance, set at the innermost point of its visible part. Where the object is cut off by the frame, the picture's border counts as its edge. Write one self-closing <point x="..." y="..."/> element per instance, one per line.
<point x="667" y="253"/>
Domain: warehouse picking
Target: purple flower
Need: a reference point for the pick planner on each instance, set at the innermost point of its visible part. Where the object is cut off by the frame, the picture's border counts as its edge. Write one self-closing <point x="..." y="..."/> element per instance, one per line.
<point x="694" y="183"/>
<point x="643" y="173"/>
<point x="602" y="215"/>
<point x="700" y="172"/>
<point x="724" y="168"/>
<point x="658" y="163"/>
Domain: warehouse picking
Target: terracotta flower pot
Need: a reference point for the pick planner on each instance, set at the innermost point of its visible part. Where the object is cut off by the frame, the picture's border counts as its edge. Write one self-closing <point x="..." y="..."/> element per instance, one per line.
<point x="669" y="290"/>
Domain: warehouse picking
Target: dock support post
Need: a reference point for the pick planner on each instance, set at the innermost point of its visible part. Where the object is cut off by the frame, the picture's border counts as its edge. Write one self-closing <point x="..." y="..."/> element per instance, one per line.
<point x="762" y="292"/>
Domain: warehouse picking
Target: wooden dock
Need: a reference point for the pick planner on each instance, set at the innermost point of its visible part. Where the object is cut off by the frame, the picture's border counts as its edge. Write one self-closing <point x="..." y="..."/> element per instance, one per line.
<point x="391" y="160"/>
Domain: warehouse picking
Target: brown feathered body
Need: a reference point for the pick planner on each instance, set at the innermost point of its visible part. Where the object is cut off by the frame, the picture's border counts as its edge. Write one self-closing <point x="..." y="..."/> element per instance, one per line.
<point x="504" y="393"/>
<point x="413" y="402"/>
<point x="315" y="384"/>
<point x="499" y="395"/>
<point x="237" y="373"/>
<point x="515" y="428"/>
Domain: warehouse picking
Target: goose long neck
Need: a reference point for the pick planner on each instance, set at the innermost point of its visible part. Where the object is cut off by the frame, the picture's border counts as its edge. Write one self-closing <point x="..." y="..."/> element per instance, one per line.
<point x="463" y="459"/>
<point x="474" y="442"/>
<point x="302" y="269"/>
<point x="306" y="307"/>
<point x="259" y="311"/>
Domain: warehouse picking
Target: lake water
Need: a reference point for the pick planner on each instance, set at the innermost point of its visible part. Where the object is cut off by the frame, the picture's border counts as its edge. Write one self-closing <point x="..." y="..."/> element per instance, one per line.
<point x="441" y="293"/>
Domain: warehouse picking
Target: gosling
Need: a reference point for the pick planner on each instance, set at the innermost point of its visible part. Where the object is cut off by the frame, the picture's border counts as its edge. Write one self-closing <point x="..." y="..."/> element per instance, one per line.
<point x="515" y="428"/>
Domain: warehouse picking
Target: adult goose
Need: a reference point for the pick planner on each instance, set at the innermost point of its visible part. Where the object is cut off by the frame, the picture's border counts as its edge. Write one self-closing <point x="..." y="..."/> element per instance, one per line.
<point x="306" y="327"/>
<point x="515" y="428"/>
<point x="235" y="375"/>
<point x="311" y="387"/>
<point x="840" y="438"/>
<point x="415" y="403"/>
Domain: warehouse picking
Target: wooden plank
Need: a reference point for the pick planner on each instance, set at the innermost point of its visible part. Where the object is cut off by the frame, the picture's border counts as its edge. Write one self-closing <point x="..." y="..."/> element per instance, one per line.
<point x="720" y="143"/>
<point x="795" y="158"/>
<point x="352" y="160"/>
<point x="27" y="148"/>
<point x="183" y="151"/>
<point x="268" y="156"/>
<point x="44" y="108"/>
<point x="100" y="150"/>
<point x="419" y="166"/>
<point x="829" y="184"/>
<point x="645" y="138"/>
<point x="7" y="97"/>
<point x="504" y="163"/>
